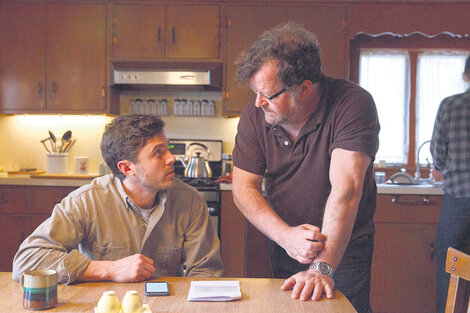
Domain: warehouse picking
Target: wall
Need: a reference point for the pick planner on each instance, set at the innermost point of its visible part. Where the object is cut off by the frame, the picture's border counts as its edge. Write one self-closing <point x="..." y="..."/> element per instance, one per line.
<point x="21" y="134"/>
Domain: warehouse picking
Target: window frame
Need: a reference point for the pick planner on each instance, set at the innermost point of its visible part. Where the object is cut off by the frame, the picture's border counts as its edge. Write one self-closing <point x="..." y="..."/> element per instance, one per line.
<point x="414" y="43"/>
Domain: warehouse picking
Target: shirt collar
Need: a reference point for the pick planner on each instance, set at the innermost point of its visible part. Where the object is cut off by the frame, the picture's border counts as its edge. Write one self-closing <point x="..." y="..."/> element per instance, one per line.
<point x="160" y="197"/>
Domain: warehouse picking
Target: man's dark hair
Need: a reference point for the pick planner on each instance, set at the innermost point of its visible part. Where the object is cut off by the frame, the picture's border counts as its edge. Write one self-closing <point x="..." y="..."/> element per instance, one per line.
<point x="125" y="136"/>
<point x="293" y="46"/>
<point x="467" y="65"/>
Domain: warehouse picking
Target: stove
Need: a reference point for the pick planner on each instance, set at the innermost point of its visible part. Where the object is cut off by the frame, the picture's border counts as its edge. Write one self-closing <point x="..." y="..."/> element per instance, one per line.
<point x="207" y="187"/>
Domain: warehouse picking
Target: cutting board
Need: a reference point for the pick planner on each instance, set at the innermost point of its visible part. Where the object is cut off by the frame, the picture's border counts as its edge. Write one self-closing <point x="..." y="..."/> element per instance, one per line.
<point x="35" y="172"/>
<point x="66" y="176"/>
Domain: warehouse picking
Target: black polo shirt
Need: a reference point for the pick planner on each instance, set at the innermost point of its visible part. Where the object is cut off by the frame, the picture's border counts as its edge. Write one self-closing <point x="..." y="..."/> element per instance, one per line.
<point x="297" y="173"/>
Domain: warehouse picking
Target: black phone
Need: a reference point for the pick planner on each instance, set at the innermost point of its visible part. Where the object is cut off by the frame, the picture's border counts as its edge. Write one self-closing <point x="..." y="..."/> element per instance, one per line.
<point x="157" y="288"/>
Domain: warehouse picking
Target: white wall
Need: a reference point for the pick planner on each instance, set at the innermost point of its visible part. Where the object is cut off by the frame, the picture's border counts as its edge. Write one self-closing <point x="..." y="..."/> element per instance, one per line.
<point x="20" y="145"/>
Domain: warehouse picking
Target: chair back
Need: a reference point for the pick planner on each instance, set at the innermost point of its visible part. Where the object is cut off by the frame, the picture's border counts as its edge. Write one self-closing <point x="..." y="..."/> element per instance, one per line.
<point x="458" y="266"/>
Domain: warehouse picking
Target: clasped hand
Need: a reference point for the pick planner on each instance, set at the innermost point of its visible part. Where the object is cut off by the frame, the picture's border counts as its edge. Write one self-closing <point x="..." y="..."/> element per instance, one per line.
<point x="133" y="268"/>
<point x="303" y="242"/>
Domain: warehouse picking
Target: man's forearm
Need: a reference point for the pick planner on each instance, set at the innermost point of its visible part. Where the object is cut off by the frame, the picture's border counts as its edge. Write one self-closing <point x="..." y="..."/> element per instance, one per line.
<point x="256" y="209"/>
<point x="338" y="223"/>
<point x="96" y="271"/>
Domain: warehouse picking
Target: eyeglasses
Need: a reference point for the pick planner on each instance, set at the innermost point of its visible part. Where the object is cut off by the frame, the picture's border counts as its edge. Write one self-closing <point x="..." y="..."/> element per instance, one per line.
<point x="277" y="94"/>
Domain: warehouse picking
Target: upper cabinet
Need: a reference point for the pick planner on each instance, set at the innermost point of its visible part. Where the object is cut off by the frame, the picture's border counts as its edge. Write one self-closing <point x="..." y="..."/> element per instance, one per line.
<point x="244" y="25"/>
<point x="327" y="22"/>
<point x="53" y="58"/>
<point x="147" y="31"/>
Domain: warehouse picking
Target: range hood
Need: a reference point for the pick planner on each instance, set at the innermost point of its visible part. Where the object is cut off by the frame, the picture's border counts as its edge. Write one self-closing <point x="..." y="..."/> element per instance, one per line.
<point x="145" y="75"/>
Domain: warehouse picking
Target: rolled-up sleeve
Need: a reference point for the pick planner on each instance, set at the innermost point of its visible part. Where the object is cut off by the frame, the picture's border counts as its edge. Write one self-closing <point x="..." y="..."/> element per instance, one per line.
<point x="54" y="245"/>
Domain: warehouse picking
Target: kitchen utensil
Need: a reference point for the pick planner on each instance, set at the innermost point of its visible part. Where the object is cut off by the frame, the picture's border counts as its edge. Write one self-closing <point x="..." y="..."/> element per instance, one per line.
<point x="43" y="143"/>
<point x="53" y="139"/>
<point x="197" y="167"/>
<point x="65" y="137"/>
<point x="69" y="145"/>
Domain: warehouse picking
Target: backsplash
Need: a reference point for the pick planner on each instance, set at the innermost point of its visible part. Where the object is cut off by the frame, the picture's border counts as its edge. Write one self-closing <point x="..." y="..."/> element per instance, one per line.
<point x="21" y="145"/>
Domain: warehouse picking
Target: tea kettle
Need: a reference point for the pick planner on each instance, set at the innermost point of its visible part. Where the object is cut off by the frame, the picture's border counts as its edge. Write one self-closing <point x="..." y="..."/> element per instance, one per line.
<point x="197" y="167"/>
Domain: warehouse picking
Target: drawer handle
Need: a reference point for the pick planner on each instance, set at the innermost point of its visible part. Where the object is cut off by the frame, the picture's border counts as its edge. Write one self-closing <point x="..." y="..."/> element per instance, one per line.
<point x="424" y="201"/>
<point x="3" y="202"/>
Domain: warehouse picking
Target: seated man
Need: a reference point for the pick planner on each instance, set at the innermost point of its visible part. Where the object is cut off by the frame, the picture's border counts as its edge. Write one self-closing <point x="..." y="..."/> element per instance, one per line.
<point x="135" y="224"/>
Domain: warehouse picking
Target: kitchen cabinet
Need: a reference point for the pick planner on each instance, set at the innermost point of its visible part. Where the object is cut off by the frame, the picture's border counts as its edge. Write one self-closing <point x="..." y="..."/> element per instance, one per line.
<point x="403" y="266"/>
<point x="22" y="209"/>
<point x="53" y="58"/>
<point x="328" y="23"/>
<point x="243" y="27"/>
<point x="243" y="247"/>
<point x="147" y="31"/>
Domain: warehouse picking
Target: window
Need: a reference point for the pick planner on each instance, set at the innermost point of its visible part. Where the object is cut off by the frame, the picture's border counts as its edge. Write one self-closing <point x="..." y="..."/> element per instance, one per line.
<point x="408" y="79"/>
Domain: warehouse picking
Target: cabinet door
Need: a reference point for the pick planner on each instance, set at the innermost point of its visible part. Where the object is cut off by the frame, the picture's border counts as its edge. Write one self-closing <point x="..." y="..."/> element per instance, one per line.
<point x="193" y="31"/>
<point x="76" y="59"/>
<point x="403" y="270"/>
<point x="245" y="24"/>
<point x="45" y="198"/>
<point x="15" y="199"/>
<point x="15" y="228"/>
<point x="138" y="31"/>
<point x="403" y="266"/>
<point x="328" y="23"/>
<point x="22" y="57"/>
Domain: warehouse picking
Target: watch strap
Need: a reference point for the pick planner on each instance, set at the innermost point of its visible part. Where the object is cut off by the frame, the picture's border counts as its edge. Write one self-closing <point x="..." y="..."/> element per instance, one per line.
<point x="322" y="267"/>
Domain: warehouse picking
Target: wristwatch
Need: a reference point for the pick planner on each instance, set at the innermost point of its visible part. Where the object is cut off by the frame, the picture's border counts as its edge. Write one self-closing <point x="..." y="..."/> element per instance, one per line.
<point x="322" y="268"/>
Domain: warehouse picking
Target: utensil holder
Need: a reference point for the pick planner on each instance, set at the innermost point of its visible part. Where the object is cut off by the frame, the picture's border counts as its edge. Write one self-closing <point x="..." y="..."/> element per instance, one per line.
<point x="57" y="163"/>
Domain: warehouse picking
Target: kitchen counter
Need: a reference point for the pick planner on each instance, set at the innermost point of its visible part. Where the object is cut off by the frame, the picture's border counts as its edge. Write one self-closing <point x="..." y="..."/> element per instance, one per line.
<point x="27" y="180"/>
<point x="391" y="189"/>
<point x="410" y="189"/>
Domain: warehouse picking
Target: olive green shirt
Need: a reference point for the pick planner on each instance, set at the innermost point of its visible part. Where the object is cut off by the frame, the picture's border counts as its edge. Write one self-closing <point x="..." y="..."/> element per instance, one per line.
<point x="98" y="221"/>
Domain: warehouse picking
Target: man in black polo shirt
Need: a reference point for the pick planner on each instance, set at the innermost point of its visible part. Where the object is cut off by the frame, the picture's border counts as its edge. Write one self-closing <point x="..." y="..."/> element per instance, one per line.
<point x="314" y="139"/>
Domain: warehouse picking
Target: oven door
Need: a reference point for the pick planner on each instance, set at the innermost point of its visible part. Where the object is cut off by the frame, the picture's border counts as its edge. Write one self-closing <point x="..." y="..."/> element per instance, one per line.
<point x="212" y="198"/>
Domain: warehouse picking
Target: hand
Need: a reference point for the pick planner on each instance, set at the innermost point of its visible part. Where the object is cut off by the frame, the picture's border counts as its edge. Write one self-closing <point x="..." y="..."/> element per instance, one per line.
<point x="308" y="284"/>
<point x="437" y="175"/>
<point x="303" y="242"/>
<point x="133" y="268"/>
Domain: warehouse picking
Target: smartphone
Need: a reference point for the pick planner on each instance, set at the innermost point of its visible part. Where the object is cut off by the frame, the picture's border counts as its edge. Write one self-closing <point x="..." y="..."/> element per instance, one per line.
<point x="157" y="288"/>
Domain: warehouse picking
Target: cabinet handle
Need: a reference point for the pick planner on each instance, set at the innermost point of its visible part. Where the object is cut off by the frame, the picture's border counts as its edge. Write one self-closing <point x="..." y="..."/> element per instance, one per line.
<point x="159" y="34"/>
<point x="173" y="34"/>
<point x="54" y="87"/>
<point x="424" y="201"/>
<point x="432" y="249"/>
<point x="39" y="87"/>
<point x="103" y="92"/>
<point x="3" y="202"/>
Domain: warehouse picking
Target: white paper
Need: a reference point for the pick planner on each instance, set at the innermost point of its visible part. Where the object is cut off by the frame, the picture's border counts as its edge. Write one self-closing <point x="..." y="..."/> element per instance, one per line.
<point x="218" y="290"/>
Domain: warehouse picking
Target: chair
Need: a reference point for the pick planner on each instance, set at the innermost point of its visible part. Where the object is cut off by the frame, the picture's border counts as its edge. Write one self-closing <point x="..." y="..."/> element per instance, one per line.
<point x="458" y="266"/>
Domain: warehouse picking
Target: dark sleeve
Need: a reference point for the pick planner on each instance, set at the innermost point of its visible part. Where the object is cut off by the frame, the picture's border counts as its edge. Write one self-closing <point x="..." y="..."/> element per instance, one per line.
<point x="249" y="153"/>
<point x="357" y="125"/>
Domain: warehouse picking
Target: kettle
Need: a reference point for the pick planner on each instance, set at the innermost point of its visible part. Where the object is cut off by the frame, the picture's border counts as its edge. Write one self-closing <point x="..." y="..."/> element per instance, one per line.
<point x="197" y="167"/>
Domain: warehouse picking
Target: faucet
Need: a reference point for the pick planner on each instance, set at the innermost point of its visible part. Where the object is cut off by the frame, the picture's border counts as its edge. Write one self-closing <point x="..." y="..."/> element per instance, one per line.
<point x="417" y="173"/>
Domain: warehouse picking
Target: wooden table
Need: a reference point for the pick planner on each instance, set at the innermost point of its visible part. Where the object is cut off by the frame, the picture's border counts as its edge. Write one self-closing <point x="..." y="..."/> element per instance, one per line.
<point x="258" y="295"/>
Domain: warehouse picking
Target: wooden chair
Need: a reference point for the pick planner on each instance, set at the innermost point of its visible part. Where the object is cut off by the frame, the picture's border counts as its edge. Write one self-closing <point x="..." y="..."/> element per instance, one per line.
<point x="458" y="266"/>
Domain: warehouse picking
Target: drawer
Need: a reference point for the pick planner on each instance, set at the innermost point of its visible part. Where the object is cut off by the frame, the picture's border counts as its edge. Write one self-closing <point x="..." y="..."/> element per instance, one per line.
<point x="408" y="208"/>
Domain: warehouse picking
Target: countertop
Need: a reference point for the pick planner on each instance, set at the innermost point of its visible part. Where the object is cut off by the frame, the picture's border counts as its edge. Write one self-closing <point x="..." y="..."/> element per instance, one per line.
<point x="381" y="188"/>
<point x="27" y="180"/>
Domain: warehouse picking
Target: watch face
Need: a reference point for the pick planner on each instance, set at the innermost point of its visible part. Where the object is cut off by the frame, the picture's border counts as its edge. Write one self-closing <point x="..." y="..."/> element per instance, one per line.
<point x="323" y="267"/>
